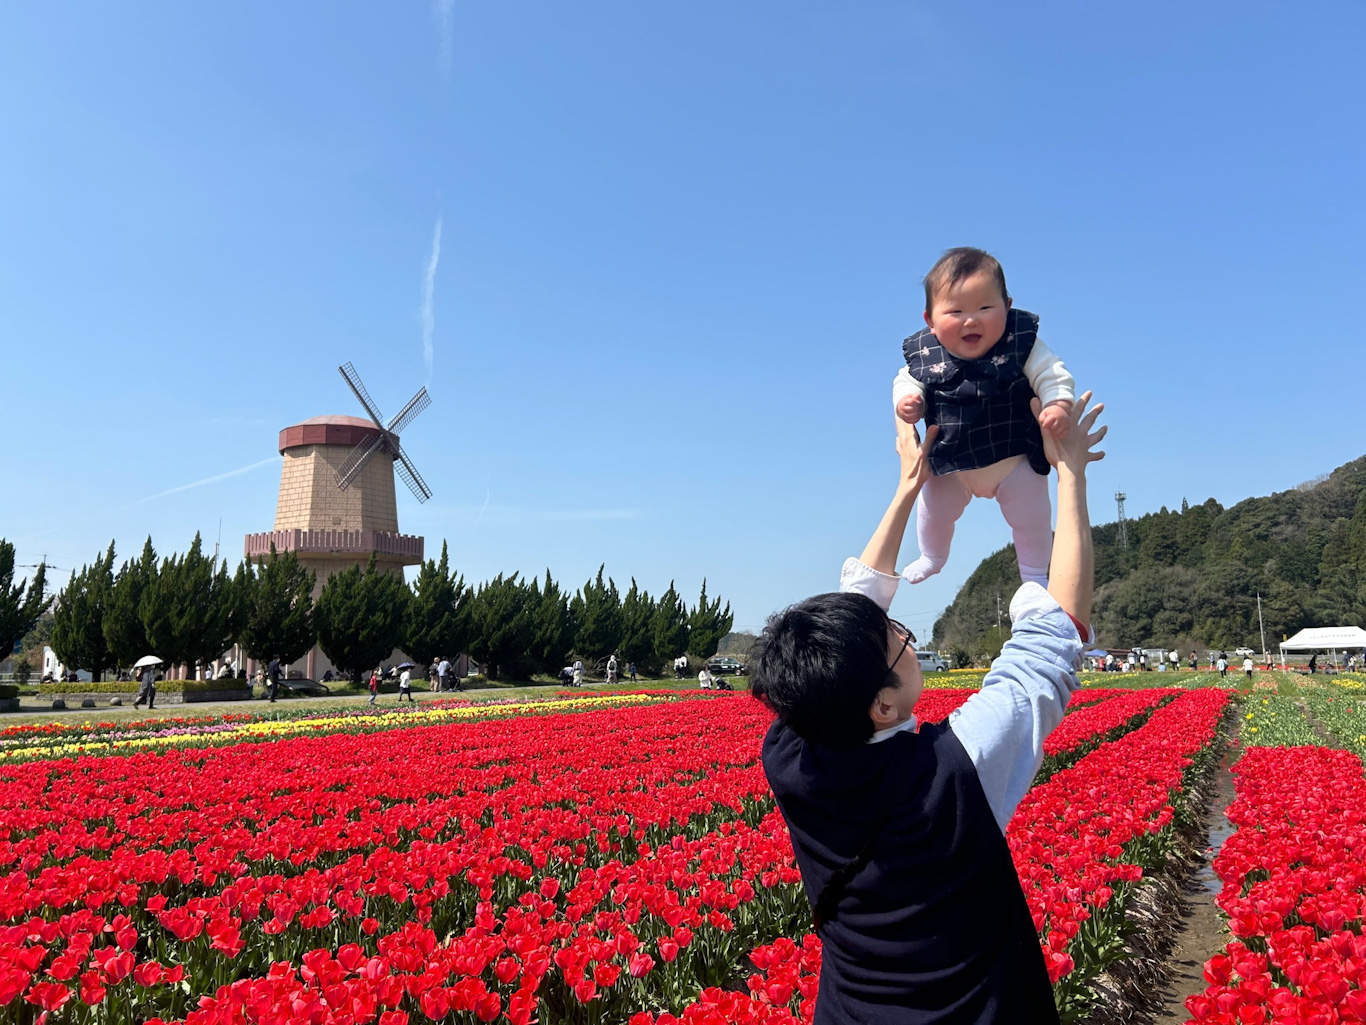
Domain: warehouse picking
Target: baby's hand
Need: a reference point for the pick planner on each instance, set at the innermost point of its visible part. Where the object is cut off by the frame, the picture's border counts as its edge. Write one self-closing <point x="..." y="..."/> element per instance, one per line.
<point x="1056" y="418"/>
<point x="911" y="408"/>
<point x="1077" y="447"/>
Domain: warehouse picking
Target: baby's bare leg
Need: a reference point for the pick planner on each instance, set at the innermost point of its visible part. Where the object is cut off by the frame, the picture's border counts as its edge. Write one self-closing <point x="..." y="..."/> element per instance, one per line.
<point x="942" y="501"/>
<point x="1023" y="497"/>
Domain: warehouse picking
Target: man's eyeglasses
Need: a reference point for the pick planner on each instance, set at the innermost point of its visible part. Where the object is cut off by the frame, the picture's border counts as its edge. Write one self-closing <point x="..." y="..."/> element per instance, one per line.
<point x="909" y="640"/>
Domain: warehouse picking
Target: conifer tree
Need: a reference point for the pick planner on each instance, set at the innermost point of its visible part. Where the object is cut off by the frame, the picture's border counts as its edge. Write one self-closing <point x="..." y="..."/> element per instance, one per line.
<point x="707" y="624"/>
<point x="187" y="610"/>
<point x="670" y="627"/>
<point x="123" y="629"/>
<point x="597" y="615"/>
<point x="359" y="617"/>
<point x="78" y="617"/>
<point x="21" y="604"/>
<point x="637" y="625"/>
<point x="552" y="629"/>
<point x="437" y="620"/>
<point x="274" y="608"/>
<point x="501" y="625"/>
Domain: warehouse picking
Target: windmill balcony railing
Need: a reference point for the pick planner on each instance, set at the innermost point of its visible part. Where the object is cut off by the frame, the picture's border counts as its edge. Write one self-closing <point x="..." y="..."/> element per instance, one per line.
<point x="407" y="547"/>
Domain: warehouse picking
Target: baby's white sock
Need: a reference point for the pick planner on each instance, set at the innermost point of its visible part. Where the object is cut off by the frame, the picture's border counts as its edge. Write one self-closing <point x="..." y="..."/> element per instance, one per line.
<point x="922" y="568"/>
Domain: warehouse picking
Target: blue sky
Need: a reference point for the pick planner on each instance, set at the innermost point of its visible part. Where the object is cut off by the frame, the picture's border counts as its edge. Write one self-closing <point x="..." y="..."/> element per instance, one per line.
<point x="679" y="246"/>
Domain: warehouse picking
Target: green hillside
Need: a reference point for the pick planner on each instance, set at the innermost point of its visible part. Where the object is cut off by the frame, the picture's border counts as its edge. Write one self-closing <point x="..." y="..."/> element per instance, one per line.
<point x="1189" y="579"/>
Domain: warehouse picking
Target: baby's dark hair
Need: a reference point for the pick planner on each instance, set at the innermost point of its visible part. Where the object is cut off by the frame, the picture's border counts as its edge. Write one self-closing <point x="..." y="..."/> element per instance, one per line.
<point x="957" y="264"/>
<point x="820" y="663"/>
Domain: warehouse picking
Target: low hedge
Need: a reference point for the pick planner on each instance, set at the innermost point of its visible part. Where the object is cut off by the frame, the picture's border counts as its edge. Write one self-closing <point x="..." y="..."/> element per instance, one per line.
<point x="132" y="687"/>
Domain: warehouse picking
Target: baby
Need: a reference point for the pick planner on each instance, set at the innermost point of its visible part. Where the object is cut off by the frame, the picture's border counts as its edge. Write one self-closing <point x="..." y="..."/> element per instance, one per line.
<point x="975" y="371"/>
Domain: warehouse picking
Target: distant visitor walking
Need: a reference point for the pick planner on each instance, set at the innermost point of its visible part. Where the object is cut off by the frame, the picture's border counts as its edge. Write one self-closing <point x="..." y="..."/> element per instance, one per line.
<point x="148" y="691"/>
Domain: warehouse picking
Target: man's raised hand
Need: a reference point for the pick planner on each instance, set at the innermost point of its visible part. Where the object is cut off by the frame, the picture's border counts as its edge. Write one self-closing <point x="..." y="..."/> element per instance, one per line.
<point x="915" y="454"/>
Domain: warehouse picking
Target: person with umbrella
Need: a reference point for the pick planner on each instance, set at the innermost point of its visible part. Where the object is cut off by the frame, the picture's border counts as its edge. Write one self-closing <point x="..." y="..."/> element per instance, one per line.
<point x="148" y="676"/>
<point x="405" y="683"/>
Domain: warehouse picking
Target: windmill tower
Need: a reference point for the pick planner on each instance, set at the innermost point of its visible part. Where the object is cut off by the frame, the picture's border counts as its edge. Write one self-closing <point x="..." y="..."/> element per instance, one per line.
<point x="337" y="505"/>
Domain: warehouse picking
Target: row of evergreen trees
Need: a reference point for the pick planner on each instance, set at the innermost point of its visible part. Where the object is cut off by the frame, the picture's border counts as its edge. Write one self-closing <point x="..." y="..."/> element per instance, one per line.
<point x="188" y="610"/>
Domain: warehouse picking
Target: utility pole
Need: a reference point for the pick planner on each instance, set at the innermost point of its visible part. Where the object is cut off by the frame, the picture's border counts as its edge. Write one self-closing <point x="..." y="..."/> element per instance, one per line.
<point x="998" y="610"/>
<point x="1261" y="627"/>
<point x="1123" y="524"/>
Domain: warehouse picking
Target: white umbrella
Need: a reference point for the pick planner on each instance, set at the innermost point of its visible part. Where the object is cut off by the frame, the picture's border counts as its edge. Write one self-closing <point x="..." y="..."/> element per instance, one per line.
<point x="147" y="660"/>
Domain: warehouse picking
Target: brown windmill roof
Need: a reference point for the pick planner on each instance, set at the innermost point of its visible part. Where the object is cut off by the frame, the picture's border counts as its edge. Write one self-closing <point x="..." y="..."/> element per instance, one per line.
<point x="328" y="430"/>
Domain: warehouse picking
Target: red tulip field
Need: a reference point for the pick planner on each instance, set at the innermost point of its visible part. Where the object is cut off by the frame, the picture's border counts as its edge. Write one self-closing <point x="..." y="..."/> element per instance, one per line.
<point x="620" y="859"/>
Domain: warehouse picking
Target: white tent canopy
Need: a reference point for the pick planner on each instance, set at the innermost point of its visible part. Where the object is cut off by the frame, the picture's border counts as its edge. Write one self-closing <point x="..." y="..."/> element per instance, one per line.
<point x="1326" y="638"/>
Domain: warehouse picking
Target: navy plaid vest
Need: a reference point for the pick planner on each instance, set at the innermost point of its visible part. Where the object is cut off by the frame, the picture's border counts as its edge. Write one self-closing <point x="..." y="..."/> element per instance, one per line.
<point x="980" y="405"/>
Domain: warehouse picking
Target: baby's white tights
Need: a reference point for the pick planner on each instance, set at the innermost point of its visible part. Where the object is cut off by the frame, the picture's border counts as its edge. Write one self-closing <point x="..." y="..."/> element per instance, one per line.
<point x="1023" y="497"/>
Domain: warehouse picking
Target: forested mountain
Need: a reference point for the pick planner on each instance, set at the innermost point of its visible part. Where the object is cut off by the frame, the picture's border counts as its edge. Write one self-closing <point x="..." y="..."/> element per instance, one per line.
<point x="1189" y="579"/>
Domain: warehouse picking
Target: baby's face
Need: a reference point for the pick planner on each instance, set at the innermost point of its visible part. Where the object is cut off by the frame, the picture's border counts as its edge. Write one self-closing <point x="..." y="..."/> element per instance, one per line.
<point x="969" y="318"/>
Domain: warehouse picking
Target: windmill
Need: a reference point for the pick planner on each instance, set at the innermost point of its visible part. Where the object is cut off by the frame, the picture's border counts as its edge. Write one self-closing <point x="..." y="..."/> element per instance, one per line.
<point x="386" y="440"/>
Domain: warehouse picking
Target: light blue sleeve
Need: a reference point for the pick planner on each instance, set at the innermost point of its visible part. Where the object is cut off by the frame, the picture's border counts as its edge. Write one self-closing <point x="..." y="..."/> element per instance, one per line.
<point x="1023" y="697"/>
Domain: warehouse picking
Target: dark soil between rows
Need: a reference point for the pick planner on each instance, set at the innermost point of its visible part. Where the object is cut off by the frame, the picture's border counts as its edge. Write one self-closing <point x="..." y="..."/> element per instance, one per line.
<point x="1202" y="932"/>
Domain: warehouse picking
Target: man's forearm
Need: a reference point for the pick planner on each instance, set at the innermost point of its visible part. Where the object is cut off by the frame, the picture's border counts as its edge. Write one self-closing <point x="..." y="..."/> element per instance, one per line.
<point x="1071" y="575"/>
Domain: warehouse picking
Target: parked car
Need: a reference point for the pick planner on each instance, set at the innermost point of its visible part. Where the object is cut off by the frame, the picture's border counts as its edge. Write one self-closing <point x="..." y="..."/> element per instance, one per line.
<point x="726" y="665"/>
<point x="930" y="662"/>
<point x="302" y="686"/>
<point x="1243" y="652"/>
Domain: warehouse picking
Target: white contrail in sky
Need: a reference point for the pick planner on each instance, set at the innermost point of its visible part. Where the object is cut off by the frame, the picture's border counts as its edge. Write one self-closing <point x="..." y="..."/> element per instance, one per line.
<point x="210" y="480"/>
<point x="272" y="461"/>
<point x="429" y="299"/>
<point x="444" y="13"/>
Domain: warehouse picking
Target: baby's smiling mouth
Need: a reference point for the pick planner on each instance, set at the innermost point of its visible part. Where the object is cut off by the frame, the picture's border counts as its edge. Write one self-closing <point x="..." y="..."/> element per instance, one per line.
<point x="971" y="339"/>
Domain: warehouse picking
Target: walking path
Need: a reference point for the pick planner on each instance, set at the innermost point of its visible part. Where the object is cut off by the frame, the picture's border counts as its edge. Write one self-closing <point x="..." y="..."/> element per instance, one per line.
<point x="38" y="710"/>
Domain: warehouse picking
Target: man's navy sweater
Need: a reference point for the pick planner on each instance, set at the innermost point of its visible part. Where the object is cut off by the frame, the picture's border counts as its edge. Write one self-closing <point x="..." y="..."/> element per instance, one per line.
<point x="928" y="923"/>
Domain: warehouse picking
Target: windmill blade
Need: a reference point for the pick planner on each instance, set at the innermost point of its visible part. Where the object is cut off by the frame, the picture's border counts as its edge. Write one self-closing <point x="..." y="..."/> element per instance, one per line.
<point x="355" y="462"/>
<point x="353" y="379"/>
<point x="408" y="474"/>
<point x="408" y="413"/>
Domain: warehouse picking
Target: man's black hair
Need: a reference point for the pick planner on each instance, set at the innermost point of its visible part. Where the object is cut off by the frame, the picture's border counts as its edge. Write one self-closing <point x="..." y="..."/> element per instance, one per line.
<point x="820" y="663"/>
